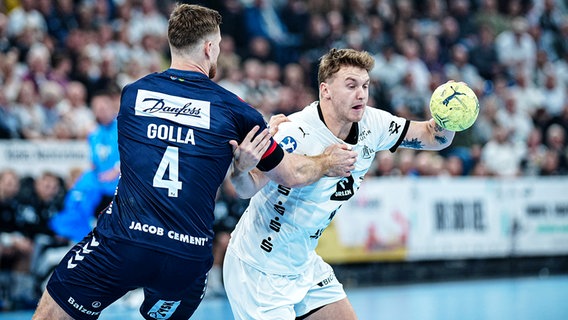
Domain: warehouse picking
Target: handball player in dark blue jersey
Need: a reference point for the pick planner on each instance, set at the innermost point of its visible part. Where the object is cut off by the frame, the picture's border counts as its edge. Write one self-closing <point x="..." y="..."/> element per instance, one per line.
<point x="178" y="133"/>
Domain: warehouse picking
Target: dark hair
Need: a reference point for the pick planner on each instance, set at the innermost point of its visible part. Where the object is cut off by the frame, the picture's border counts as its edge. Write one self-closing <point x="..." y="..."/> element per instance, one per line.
<point x="332" y="61"/>
<point x="190" y="23"/>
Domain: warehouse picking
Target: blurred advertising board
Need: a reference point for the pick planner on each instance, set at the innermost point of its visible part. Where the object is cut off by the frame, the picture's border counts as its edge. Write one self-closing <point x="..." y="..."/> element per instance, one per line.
<point x="409" y="219"/>
<point x="30" y="158"/>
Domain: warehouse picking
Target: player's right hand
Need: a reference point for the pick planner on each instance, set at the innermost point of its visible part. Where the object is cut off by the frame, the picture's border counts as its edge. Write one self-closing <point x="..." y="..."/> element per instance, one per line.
<point x="249" y="153"/>
<point x="342" y="160"/>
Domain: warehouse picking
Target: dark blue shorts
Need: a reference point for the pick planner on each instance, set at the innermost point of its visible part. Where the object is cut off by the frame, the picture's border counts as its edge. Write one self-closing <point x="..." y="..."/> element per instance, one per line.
<point x="98" y="271"/>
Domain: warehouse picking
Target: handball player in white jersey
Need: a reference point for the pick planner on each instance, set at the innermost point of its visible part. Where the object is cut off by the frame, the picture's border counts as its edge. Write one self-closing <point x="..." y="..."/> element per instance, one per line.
<point x="271" y="269"/>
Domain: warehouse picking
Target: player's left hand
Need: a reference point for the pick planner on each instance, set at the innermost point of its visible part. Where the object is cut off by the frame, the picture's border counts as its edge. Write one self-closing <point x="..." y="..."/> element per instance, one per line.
<point x="247" y="155"/>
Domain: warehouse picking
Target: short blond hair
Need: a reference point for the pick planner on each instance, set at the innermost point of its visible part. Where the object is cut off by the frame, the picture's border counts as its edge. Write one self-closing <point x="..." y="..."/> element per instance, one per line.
<point x="332" y="61"/>
<point x="190" y="23"/>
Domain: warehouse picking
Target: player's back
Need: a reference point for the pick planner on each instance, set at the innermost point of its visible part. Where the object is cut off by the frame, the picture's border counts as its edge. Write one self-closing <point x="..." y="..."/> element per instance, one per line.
<point x="174" y="131"/>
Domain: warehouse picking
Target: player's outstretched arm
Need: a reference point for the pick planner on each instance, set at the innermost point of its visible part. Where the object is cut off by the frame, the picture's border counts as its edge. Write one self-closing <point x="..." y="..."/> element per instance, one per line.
<point x="427" y="135"/>
<point x="295" y="170"/>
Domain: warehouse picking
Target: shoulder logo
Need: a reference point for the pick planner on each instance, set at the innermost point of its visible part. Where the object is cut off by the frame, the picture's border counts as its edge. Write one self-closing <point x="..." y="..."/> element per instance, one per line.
<point x="190" y="112"/>
<point x="289" y="144"/>
<point x="394" y="127"/>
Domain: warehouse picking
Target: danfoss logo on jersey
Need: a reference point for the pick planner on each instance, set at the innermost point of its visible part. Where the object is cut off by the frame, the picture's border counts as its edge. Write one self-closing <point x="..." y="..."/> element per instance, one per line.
<point x="182" y="110"/>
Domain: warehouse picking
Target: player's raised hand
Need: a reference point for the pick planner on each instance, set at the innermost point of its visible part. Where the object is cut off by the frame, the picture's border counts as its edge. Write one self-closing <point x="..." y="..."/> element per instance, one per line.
<point x="342" y="160"/>
<point x="247" y="155"/>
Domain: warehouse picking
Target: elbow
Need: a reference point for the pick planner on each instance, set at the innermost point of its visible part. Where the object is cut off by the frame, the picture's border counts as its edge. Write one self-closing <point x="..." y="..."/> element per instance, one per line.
<point x="293" y="180"/>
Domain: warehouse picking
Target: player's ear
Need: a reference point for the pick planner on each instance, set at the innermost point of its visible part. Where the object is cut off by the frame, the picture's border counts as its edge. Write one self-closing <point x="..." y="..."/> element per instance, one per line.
<point x="207" y="48"/>
<point x="324" y="91"/>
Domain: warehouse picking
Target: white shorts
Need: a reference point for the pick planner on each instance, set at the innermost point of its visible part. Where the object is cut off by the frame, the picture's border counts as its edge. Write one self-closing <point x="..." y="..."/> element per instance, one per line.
<point x="256" y="295"/>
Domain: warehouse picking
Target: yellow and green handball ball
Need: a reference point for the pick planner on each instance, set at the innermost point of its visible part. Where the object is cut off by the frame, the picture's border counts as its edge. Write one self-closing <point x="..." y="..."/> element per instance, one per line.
<point x="454" y="106"/>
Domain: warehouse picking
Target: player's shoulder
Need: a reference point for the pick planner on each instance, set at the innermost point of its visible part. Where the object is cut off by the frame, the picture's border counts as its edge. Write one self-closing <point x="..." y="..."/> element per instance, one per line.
<point x="373" y="114"/>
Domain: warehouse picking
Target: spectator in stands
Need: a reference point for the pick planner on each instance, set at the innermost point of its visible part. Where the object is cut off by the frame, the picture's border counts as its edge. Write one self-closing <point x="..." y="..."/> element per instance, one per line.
<point x="233" y="80"/>
<point x="38" y="63"/>
<point x="415" y="66"/>
<point x="542" y="67"/>
<point x="41" y="199"/>
<point x="529" y="98"/>
<point x="30" y="113"/>
<point x="554" y="95"/>
<point x="556" y="142"/>
<point x="454" y="166"/>
<point x="75" y="114"/>
<point x="228" y="58"/>
<point x="15" y="248"/>
<point x="489" y="15"/>
<point x="234" y="25"/>
<point x="76" y="219"/>
<point x="459" y="68"/>
<point x="406" y="162"/>
<point x="262" y="20"/>
<point x="431" y="55"/>
<point x="536" y="154"/>
<point x="103" y="144"/>
<point x="60" y="71"/>
<point x="561" y="46"/>
<point x="10" y="126"/>
<point x="60" y="19"/>
<point x="483" y="54"/>
<point x="11" y="74"/>
<point x="449" y="37"/>
<point x="561" y="120"/>
<point x="516" y="49"/>
<point x="390" y="67"/>
<point x="550" y="22"/>
<point x="384" y="165"/>
<point x="26" y="16"/>
<point x="430" y="22"/>
<point x="261" y="49"/>
<point x="425" y="164"/>
<point x="5" y="44"/>
<point x="146" y="20"/>
<point x="461" y="11"/>
<point x="378" y="38"/>
<point x="517" y="121"/>
<point x="501" y="155"/>
<point x="409" y="101"/>
<point x="50" y="95"/>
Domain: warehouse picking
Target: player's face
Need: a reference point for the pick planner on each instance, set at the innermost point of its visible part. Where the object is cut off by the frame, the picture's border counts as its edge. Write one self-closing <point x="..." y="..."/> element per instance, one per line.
<point x="349" y="93"/>
<point x="214" y="54"/>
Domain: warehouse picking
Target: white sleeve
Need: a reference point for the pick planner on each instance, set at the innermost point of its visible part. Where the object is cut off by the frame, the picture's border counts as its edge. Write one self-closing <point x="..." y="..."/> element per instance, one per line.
<point x="389" y="129"/>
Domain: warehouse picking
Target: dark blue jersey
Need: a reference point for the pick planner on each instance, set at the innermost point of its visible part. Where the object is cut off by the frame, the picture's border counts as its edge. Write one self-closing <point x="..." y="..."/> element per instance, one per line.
<point x="174" y="129"/>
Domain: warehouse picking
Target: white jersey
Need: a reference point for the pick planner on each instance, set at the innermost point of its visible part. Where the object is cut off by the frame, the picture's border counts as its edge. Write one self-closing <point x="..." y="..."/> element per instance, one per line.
<point x="279" y="231"/>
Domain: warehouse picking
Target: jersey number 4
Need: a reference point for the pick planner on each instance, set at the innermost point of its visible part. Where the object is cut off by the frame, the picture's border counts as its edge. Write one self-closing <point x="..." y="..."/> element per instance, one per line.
<point x="170" y="162"/>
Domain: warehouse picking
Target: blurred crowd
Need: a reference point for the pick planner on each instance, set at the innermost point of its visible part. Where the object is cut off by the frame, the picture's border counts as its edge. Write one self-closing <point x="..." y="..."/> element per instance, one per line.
<point x="56" y="56"/>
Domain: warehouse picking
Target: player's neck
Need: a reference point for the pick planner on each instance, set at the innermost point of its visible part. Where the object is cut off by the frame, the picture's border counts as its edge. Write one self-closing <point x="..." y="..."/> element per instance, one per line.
<point x="188" y="66"/>
<point x="334" y="123"/>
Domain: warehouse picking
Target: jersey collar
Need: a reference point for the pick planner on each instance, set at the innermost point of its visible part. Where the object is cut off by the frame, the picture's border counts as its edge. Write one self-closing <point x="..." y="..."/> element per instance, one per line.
<point x="353" y="133"/>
